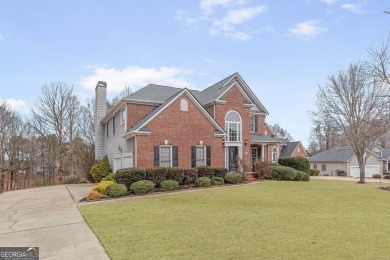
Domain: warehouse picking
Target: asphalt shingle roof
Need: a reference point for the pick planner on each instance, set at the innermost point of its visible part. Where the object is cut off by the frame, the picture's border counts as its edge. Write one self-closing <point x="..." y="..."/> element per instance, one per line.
<point x="265" y="138"/>
<point x="386" y="153"/>
<point x="335" y="154"/>
<point x="153" y="92"/>
<point x="289" y="149"/>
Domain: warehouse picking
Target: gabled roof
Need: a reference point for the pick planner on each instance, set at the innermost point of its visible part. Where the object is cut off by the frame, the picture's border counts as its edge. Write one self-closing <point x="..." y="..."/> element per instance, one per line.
<point x="256" y="138"/>
<point x="153" y="93"/>
<point x="335" y="154"/>
<point x="386" y="153"/>
<point x="140" y="126"/>
<point x="289" y="149"/>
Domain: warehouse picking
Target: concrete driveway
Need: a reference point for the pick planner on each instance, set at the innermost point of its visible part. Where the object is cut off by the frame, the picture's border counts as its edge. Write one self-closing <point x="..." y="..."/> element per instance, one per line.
<point x="48" y="218"/>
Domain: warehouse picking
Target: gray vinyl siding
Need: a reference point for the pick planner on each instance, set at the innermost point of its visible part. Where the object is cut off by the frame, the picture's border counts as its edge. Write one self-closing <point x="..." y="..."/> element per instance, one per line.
<point x="115" y="141"/>
<point x="371" y="160"/>
<point x="100" y="112"/>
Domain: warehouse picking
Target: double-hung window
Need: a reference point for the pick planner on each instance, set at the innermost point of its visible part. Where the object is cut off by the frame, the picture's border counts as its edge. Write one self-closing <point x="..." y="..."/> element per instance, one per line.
<point x="200" y="156"/>
<point x="274" y="154"/>
<point x="123" y="116"/>
<point x="323" y="167"/>
<point x="252" y="124"/>
<point x="233" y="127"/>
<point x="165" y="156"/>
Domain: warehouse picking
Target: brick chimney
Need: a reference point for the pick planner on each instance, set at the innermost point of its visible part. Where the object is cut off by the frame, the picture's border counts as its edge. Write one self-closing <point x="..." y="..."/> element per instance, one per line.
<point x="100" y="112"/>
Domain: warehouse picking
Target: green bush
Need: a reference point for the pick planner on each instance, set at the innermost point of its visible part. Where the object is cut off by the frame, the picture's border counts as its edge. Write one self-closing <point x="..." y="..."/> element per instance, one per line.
<point x="282" y="173"/>
<point x="340" y="173"/>
<point x="314" y="172"/>
<point x="127" y="176"/>
<point x="116" y="190"/>
<point x="169" y="185"/>
<point x="234" y="177"/>
<point x="156" y="174"/>
<point x="72" y="180"/>
<point x="203" y="182"/>
<point x="189" y="176"/>
<point x="95" y="172"/>
<point x="220" y="172"/>
<point x="110" y="177"/>
<point x="376" y="176"/>
<point x="306" y="177"/>
<point x="102" y="186"/>
<point x="298" y="175"/>
<point x="298" y="163"/>
<point x="104" y="168"/>
<point x="262" y="169"/>
<point x="206" y="171"/>
<point x="142" y="187"/>
<point x="217" y="181"/>
<point x="274" y="164"/>
<point x="175" y="173"/>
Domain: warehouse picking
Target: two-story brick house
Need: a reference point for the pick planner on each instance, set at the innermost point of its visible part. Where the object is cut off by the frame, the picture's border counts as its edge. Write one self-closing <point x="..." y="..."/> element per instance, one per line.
<point x="166" y="126"/>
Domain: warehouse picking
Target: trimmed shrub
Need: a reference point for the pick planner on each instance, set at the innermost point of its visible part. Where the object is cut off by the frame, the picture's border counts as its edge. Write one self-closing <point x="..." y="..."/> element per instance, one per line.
<point x="299" y="175"/>
<point x="104" y="168"/>
<point x="169" y="185"/>
<point x="306" y="177"/>
<point x="101" y="187"/>
<point x="190" y="175"/>
<point x="234" y="177"/>
<point x="175" y="173"/>
<point x="142" y="187"/>
<point x="340" y="173"/>
<point x="217" y="181"/>
<point x="94" y="195"/>
<point x="274" y="164"/>
<point x="376" y="176"/>
<point x="220" y="172"/>
<point x="314" y="172"/>
<point x="262" y="169"/>
<point x="110" y="177"/>
<point x="203" y="182"/>
<point x="127" y="176"/>
<point x="156" y="174"/>
<point x="298" y="163"/>
<point x="72" y="180"/>
<point x="282" y="173"/>
<point x="95" y="172"/>
<point x="116" y="190"/>
<point x="206" y="171"/>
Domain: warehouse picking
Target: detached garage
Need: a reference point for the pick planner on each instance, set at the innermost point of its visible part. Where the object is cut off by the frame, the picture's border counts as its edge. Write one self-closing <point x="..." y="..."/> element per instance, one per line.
<point x="343" y="158"/>
<point x="369" y="172"/>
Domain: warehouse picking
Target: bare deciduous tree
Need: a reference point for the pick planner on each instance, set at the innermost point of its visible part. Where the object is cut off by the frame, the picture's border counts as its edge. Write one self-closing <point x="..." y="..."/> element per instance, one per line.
<point x="356" y="102"/>
<point x="380" y="61"/>
<point x="280" y="133"/>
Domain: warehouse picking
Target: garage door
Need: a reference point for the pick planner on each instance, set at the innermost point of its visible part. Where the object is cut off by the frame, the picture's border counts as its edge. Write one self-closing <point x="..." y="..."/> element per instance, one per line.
<point x="370" y="170"/>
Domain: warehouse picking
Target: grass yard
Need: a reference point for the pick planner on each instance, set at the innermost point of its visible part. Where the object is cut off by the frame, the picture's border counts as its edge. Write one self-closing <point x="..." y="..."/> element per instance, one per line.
<point x="321" y="219"/>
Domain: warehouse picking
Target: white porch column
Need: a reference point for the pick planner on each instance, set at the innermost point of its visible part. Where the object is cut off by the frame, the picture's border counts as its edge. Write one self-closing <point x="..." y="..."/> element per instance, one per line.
<point x="277" y="153"/>
<point x="262" y="152"/>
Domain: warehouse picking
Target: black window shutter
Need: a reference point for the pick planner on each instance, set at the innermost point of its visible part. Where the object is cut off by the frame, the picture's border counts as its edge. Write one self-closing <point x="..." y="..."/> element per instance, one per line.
<point x="208" y="155"/>
<point x="175" y="156"/>
<point x="156" y="156"/>
<point x="193" y="156"/>
<point x="256" y="124"/>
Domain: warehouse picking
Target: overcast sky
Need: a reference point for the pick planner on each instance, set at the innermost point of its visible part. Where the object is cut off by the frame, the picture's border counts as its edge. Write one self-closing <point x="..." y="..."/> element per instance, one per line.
<point x="282" y="49"/>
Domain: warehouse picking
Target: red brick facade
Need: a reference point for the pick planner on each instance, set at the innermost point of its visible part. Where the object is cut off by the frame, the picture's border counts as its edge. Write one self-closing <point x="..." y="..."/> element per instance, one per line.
<point x="183" y="129"/>
<point x="137" y="111"/>
<point x="300" y="151"/>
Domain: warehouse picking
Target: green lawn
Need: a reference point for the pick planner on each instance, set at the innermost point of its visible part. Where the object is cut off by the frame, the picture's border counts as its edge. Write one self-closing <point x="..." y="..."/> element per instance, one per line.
<point x="271" y="220"/>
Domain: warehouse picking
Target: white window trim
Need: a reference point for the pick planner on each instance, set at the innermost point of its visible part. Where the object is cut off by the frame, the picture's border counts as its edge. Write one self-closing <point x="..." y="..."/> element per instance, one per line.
<point x="252" y="117"/>
<point x="274" y="159"/>
<point x="170" y="154"/>
<point x="233" y="122"/>
<point x="184" y="105"/>
<point x="123" y="120"/>
<point x="204" y="153"/>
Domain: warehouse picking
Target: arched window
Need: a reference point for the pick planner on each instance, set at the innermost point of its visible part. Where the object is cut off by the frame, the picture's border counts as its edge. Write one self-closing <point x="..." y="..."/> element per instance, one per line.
<point x="274" y="154"/>
<point x="184" y="105"/>
<point x="233" y="126"/>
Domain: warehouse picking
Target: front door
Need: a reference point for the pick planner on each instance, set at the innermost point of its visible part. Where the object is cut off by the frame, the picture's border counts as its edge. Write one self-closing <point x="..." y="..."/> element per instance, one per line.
<point x="233" y="152"/>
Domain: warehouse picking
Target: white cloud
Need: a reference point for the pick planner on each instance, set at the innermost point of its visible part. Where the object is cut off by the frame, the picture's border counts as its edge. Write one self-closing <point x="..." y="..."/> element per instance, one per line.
<point x="354" y="8"/>
<point x="329" y="2"/>
<point x="136" y="77"/>
<point x="208" y="60"/>
<point x="227" y="26"/>
<point x="209" y="5"/>
<point x="307" y="29"/>
<point x="19" y="105"/>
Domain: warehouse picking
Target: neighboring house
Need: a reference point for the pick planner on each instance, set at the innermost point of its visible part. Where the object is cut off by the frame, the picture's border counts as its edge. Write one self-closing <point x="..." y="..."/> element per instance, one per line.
<point x="165" y="126"/>
<point x="386" y="157"/>
<point x="344" y="158"/>
<point x="294" y="149"/>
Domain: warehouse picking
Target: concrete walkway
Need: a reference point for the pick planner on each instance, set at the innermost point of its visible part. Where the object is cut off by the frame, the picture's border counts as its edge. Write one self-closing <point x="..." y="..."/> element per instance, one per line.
<point x="48" y="218"/>
<point x="368" y="180"/>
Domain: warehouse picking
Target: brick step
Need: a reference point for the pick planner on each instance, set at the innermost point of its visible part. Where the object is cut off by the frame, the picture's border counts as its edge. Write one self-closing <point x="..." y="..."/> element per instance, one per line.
<point x="249" y="176"/>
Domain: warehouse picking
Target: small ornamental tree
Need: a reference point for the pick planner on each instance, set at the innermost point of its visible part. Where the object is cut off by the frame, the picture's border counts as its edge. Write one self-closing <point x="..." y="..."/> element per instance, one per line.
<point x="104" y="168"/>
<point x="262" y="169"/>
